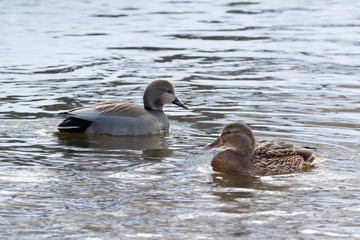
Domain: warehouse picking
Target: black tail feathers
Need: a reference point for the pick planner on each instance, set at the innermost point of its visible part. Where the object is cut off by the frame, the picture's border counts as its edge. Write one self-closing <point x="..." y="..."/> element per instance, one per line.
<point x="72" y="124"/>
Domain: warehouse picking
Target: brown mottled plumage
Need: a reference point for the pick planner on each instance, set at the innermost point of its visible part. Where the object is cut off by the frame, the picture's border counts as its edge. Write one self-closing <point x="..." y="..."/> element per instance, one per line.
<point x="248" y="157"/>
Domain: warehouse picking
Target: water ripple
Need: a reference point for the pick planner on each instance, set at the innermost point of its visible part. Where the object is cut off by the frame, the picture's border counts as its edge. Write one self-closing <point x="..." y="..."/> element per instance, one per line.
<point x="287" y="69"/>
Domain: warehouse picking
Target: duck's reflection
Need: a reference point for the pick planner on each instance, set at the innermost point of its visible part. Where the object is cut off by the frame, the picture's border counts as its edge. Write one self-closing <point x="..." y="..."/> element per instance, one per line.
<point x="152" y="146"/>
<point x="237" y="186"/>
<point x="235" y="181"/>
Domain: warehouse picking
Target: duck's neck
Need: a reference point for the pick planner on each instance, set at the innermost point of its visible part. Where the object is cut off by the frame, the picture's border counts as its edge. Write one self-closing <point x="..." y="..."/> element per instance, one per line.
<point x="243" y="147"/>
<point x="150" y="104"/>
<point x="153" y="107"/>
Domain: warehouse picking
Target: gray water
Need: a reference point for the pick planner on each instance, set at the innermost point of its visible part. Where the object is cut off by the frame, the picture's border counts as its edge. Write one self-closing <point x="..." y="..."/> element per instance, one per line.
<point x="289" y="69"/>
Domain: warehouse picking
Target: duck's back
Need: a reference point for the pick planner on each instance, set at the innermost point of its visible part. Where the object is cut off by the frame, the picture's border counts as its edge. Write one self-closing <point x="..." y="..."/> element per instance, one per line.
<point x="276" y="157"/>
<point x="118" y="118"/>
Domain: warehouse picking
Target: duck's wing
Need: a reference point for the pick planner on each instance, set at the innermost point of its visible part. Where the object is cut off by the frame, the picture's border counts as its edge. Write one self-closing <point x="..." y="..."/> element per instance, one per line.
<point x="276" y="157"/>
<point x="276" y="148"/>
<point x="112" y="117"/>
<point x="108" y="108"/>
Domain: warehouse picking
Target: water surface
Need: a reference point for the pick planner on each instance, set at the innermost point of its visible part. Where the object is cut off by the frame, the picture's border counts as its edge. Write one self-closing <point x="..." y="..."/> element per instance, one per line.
<point x="288" y="69"/>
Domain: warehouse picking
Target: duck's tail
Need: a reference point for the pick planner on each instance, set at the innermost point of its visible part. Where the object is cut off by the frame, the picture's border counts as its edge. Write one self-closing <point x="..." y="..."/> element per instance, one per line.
<point x="316" y="160"/>
<point x="72" y="124"/>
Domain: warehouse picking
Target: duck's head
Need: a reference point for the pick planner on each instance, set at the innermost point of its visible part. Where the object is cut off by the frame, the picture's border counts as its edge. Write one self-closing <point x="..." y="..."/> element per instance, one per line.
<point x="238" y="136"/>
<point x="158" y="93"/>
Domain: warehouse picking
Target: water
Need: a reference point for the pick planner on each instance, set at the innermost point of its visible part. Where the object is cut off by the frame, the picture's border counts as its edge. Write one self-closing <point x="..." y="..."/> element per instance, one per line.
<point x="289" y="69"/>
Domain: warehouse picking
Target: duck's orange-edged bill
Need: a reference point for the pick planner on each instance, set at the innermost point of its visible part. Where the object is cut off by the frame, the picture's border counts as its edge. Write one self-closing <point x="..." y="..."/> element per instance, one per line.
<point x="216" y="143"/>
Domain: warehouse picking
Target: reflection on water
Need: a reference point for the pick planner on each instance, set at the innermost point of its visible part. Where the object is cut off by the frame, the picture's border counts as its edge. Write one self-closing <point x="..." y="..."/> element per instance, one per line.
<point x="99" y="141"/>
<point x="288" y="69"/>
<point x="152" y="146"/>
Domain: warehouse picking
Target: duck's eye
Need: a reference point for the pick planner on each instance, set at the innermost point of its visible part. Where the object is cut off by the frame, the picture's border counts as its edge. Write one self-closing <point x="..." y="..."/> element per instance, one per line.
<point x="169" y="91"/>
<point x="228" y="132"/>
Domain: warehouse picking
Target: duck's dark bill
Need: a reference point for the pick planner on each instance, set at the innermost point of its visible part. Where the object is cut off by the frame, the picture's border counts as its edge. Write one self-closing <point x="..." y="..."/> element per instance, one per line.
<point x="216" y="143"/>
<point x="177" y="102"/>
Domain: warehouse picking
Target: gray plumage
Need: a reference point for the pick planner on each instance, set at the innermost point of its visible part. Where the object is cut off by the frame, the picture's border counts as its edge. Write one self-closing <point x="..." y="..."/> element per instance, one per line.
<point x="116" y="117"/>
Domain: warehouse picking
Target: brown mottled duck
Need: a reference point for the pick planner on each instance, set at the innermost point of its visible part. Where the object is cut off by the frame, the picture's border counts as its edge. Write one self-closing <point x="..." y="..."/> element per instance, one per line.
<point x="248" y="157"/>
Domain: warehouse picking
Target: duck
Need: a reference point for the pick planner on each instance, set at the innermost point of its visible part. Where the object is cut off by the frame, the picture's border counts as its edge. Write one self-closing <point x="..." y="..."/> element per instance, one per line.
<point x="246" y="156"/>
<point x="119" y="118"/>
